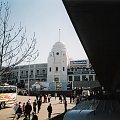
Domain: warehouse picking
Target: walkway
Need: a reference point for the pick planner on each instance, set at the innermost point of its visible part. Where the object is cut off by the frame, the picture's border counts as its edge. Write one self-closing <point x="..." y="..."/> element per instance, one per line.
<point x="8" y="113"/>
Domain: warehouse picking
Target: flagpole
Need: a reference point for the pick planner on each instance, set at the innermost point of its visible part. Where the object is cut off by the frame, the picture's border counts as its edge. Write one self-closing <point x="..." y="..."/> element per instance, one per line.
<point x="59" y="35"/>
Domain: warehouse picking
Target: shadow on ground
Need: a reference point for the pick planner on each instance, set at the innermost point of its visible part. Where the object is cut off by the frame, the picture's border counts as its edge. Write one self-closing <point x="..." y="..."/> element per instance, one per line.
<point x="59" y="116"/>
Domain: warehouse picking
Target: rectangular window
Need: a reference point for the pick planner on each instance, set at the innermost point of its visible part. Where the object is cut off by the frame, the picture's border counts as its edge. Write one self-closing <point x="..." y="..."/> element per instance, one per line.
<point x="31" y="72"/>
<point x="43" y="71"/>
<point x="70" y="78"/>
<point x="26" y="73"/>
<point x="50" y="69"/>
<point x="22" y="73"/>
<point x="37" y="71"/>
<point x="56" y="68"/>
<point x="76" y="78"/>
<point x="84" y="78"/>
<point x="90" y="77"/>
<point x="13" y="74"/>
<point x="63" y="68"/>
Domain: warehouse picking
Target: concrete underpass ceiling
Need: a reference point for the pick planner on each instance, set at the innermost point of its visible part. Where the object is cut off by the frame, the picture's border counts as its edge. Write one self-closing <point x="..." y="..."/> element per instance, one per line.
<point x="97" y="23"/>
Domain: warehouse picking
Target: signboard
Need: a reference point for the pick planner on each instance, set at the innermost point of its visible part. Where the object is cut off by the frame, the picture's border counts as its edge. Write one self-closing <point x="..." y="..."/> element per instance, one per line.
<point x="79" y="62"/>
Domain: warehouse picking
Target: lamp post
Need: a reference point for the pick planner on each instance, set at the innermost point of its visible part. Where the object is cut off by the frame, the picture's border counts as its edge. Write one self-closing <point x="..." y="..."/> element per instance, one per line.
<point x="0" y="65"/>
<point x="29" y="77"/>
<point x="30" y="59"/>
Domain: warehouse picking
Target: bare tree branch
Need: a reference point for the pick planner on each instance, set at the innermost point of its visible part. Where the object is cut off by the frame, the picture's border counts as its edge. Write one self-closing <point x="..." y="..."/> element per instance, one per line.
<point x="14" y="45"/>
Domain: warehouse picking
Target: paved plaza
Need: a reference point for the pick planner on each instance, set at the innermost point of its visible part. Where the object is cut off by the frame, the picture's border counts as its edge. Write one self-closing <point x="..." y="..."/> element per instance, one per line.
<point x="8" y="113"/>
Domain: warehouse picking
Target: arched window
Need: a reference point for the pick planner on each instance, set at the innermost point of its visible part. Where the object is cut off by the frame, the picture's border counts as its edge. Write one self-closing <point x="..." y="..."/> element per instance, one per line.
<point x="50" y="69"/>
<point x="43" y="71"/>
<point x="56" y="68"/>
<point x="63" y="68"/>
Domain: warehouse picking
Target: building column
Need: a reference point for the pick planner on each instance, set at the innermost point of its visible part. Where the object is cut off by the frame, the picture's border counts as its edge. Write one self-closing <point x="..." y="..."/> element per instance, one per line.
<point x="94" y="77"/>
<point x="80" y="77"/>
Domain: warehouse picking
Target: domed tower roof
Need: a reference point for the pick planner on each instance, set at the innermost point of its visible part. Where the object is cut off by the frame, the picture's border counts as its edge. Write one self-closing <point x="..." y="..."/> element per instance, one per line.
<point x="59" y="46"/>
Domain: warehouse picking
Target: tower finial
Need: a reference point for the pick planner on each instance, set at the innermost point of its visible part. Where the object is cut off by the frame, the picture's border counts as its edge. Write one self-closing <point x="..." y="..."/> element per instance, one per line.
<point x="59" y="35"/>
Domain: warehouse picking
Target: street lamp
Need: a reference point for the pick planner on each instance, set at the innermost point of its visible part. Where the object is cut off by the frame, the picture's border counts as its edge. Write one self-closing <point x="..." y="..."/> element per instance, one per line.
<point x="30" y="59"/>
<point x="29" y="77"/>
<point x="0" y="65"/>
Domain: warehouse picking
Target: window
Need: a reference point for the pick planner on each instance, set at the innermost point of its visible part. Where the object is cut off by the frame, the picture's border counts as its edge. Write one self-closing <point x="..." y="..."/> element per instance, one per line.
<point x="43" y="71"/>
<point x="31" y="72"/>
<point x="37" y="71"/>
<point x="13" y="74"/>
<point x="57" y="53"/>
<point x="96" y="78"/>
<point x="76" y="78"/>
<point x="26" y="72"/>
<point x="22" y="72"/>
<point x="90" y="77"/>
<point x="70" y="78"/>
<point x="56" y="68"/>
<point x="84" y="78"/>
<point x="63" y="68"/>
<point x="50" y="69"/>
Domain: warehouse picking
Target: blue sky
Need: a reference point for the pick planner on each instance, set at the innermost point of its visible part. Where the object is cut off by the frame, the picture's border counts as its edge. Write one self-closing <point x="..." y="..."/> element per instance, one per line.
<point x="45" y="18"/>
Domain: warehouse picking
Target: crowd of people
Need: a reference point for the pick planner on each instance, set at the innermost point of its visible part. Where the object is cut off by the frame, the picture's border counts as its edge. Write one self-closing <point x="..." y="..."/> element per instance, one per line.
<point x="27" y="108"/>
<point x="34" y="107"/>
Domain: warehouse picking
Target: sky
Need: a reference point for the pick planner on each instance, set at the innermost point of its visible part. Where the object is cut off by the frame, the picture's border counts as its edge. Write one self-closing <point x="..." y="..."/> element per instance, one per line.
<point x="45" y="18"/>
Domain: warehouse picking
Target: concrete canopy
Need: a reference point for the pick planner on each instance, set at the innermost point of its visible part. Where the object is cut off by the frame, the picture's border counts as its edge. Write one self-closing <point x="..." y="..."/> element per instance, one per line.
<point x="97" y="23"/>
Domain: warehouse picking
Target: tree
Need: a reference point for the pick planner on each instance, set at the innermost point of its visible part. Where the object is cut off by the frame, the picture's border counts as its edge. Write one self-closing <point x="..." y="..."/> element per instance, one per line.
<point x="14" y="45"/>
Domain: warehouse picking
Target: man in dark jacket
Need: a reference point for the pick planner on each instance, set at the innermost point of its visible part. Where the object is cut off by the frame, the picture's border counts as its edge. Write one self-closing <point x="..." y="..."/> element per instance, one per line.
<point x="34" y="106"/>
<point x="34" y="116"/>
<point x="65" y="105"/>
<point x="49" y="108"/>
<point x="28" y="109"/>
<point x="39" y="102"/>
<point x="19" y="112"/>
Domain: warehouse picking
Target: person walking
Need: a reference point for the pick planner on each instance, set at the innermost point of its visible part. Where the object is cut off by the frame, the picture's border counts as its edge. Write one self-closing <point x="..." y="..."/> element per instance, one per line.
<point x="77" y="100"/>
<point x="37" y="97"/>
<point x="28" y="109"/>
<point x="70" y="98"/>
<point x="49" y="97"/>
<point x="65" y="105"/>
<point x="49" y="108"/>
<point x="34" y="116"/>
<point x="39" y="102"/>
<point x="15" y="107"/>
<point x="55" y="96"/>
<point x="19" y="112"/>
<point x="34" y="106"/>
<point x="23" y="108"/>
<point x="60" y="98"/>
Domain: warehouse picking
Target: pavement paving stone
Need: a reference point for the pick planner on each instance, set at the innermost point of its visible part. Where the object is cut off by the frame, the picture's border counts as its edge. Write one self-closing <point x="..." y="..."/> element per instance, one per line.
<point x="8" y="113"/>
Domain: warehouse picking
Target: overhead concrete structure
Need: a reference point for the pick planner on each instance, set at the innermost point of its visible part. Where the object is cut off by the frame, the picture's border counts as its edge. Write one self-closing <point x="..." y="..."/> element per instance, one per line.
<point x="97" y="23"/>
